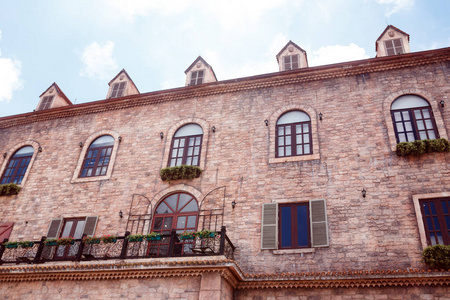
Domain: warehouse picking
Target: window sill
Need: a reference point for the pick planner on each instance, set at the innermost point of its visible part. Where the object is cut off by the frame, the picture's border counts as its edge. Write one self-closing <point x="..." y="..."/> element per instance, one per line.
<point x="294" y="251"/>
<point x="89" y="179"/>
<point x="294" y="158"/>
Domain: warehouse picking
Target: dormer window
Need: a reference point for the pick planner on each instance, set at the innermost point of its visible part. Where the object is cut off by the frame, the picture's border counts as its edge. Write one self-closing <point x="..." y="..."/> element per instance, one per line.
<point x="46" y="102"/>
<point x="394" y="47"/>
<point x="118" y="89"/>
<point x="291" y="62"/>
<point x="196" y="77"/>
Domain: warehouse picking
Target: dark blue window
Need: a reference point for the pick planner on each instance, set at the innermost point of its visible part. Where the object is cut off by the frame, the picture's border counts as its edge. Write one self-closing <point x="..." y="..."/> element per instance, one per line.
<point x="294" y="230"/>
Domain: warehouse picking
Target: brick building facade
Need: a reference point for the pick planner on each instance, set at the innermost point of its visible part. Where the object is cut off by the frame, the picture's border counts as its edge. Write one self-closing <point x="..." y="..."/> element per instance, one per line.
<point x="352" y="205"/>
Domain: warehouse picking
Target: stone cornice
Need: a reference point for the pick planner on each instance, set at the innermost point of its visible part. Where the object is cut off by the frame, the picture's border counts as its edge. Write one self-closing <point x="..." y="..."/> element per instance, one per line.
<point x="236" y="85"/>
<point x="228" y="269"/>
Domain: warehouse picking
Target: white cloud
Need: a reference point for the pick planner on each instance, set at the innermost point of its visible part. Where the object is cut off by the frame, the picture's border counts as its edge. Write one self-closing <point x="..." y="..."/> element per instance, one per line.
<point x="10" y="80"/>
<point x="396" y="5"/>
<point x="335" y="54"/>
<point x="130" y="9"/>
<point x="98" y="61"/>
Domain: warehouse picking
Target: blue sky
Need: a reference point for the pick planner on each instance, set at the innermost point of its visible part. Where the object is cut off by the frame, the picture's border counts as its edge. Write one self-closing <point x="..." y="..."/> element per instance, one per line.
<point x="81" y="45"/>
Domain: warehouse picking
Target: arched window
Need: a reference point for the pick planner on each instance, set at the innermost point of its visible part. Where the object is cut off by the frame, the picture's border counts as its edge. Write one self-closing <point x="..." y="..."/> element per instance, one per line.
<point x="293" y="134"/>
<point x="97" y="157"/>
<point x="413" y="119"/>
<point x="178" y="211"/>
<point x="17" y="165"/>
<point x="186" y="146"/>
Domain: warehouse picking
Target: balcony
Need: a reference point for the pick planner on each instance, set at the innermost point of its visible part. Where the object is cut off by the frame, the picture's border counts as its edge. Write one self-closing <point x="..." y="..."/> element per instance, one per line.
<point x="170" y="245"/>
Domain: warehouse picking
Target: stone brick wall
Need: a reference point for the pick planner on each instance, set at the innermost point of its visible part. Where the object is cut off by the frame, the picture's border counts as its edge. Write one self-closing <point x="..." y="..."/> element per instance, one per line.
<point x="376" y="232"/>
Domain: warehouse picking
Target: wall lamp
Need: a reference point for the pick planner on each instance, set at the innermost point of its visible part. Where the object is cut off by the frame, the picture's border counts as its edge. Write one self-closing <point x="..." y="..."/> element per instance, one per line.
<point x="4" y="155"/>
<point x="161" y="134"/>
<point x="442" y="103"/>
<point x="363" y="192"/>
<point x="233" y="204"/>
<point x="266" y="122"/>
<point x="120" y="139"/>
<point x="121" y="214"/>
<point x="40" y="149"/>
<point x="80" y="144"/>
<point x="320" y="116"/>
<point x="213" y="129"/>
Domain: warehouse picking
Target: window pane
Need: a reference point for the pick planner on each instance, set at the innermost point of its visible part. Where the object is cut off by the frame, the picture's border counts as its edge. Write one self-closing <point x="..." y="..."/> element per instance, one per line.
<point x="163" y="209"/>
<point x="429" y="124"/>
<point x="191" y="221"/>
<point x="281" y="130"/>
<point x="280" y="141"/>
<point x="191" y="141"/>
<point x="175" y="143"/>
<point x="299" y="150"/>
<point x="408" y="126"/>
<point x="195" y="161"/>
<point x="197" y="141"/>
<point x="79" y="230"/>
<point x="433" y="208"/>
<point x="405" y="115"/>
<point x="192" y="206"/>
<point x="444" y="205"/>
<point x="298" y="128"/>
<point x="400" y="127"/>
<point x="280" y="151"/>
<point x="171" y="201"/>
<point x="302" y="226"/>
<point x="397" y="116"/>
<point x="437" y="226"/>
<point x="299" y="139"/>
<point x="423" y="135"/>
<point x="426" y="113"/>
<point x="286" y="230"/>
<point x="181" y="222"/>
<point x="67" y="229"/>
<point x="189" y="161"/>
<point x="288" y="140"/>
<point x="182" y="142"/>
<point x="411" y="137"/>
<point x="196" y="150"/>
<point x="288" y="151"/>
<point x="288" y="130"/>
<point x="307" y="149"/>
<point x="431" y="134"/>
<point x="167" y="223"/>
<point x="419" y="126"/>
<point x="305" y="127"/>
<point x="158" y="224"/>
<point x="417" y="114"/>
<point x="190" y="151"/>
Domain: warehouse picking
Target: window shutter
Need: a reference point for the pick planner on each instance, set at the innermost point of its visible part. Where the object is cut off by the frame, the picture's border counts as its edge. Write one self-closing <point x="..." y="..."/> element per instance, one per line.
<point x="89" y="227"/>
<point x="319" y="225"/>
<point x="5" y="230"/>
<point x="54" y="228"/>
<point x="269" y="226"/>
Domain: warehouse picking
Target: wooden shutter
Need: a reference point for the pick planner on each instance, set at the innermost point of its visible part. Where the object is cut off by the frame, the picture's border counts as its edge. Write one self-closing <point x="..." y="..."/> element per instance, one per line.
<point x="5" y="230"/>
<point x="319" y="227"/>
<point x="53" y="229"/>
<point x="269" y="239"/>
<point x="89" y="227"/>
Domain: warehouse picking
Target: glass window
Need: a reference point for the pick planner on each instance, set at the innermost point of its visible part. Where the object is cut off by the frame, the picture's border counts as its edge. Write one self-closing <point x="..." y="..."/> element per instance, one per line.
<point x="178" y="211"/>
<point x="186" y="146"/>
<point x="118" y="89"/>
<point x="413" y="119"/>
<point x="293" y="134"/>
<point x="17" y="166"/>
<point x="46" y="102"/>
<point x="294" y="229"/>
<point x="394" y="47"/>
<point x="291" y="62"/>
<point x="72" y="228"/>
<point x="436" y="219"/>
<point x="196" y="77"/>
<point x="97" y="157"/>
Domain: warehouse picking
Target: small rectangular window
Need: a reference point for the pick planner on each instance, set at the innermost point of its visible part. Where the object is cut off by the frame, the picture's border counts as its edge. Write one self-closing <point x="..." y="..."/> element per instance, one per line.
<point x="436" y="219"/>
<point x="196" y="77"/>
<point x="118" y="89"/>
<point x="291" y="62"/>
<point x="394" y="47"/>
<point x="46" y="102"/>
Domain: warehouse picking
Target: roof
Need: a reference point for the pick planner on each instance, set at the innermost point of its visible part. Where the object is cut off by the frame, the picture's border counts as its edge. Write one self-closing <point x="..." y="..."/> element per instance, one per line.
<point x="386" y="29"/>
<point x="59" y="91"/>
<point x="126" y="74"/>
<point x="290" y="43"/>
<point x="345" y="69"/>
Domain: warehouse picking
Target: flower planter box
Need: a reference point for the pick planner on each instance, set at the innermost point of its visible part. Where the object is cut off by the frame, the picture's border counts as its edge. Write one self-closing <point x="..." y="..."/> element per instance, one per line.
<point x="110" y="241"/>
<point x="52" y="243"/>
<point x="135" y="239"/>
<point x="26" y="244"/>
<point x="153" y="238"/>
<point x="92" y="242"/>
<point x="187" y="237"/>
<point x="11" y="246"/>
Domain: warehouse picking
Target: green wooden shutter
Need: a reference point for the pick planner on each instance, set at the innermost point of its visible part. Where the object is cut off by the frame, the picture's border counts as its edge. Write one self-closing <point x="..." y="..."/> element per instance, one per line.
<point x="269" y="230"/>
<point x="53" y="229"/>
<point x="89" y="227"/>
<point x="319" y="225"/>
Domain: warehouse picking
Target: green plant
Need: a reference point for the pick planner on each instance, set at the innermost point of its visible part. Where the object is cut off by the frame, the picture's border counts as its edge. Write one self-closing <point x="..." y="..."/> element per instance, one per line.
<point x="51" y="242"/>
<point x="180" y="172"/>
<point x="65" y="241"/>
<point x="135" y="238"/>
<point x="26" y="244"/>
<point x="9" y="189"/>
<point x="11" y="244"/>
<point x="437" y="256"/>
<point x="154" y="236"/>
<point x="420" y="147"/>
<point x="109" y="239"/>
<point x="205" y="233"/>
<point x="91" y="240"/>
<point x="187" y="235"/>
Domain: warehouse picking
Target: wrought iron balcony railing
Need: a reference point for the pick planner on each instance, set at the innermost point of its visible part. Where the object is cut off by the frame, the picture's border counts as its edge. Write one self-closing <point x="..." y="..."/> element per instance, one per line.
<point x="170" y="245"/>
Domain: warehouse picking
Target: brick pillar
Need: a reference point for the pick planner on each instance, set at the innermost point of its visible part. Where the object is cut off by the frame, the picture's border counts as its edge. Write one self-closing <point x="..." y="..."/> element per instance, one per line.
<point x="211" y="286"/>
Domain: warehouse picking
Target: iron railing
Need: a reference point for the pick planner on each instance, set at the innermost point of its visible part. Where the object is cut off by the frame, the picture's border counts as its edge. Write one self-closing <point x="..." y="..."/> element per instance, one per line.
<point x="170" y="245"/>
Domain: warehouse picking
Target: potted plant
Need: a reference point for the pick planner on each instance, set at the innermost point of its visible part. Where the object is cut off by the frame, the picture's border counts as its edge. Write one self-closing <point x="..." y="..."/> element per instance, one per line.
<point x="206" y="233"/>
<point x="109" y="239"/>
<point x="66" y="241"/>
<point x="154" y="236"/>
<point x="135" y="238"/>
<point x="187" y="236"/>
<point x="51" y="242"/>
<point x="89" y="240"/>
<point x="437" y="256"/>
<point x="180" y="172"/>
<point x="11" y="244"/>
<point x="9" y="189"/>
<point x="26" y="244"/>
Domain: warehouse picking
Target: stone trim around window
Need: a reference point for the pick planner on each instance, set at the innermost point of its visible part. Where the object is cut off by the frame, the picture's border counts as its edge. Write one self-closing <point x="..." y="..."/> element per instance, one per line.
<point x="168" y="137"/>
<point x="13" y="150"/>
<point x="420" y="225"/>
<point x="314" y="135"/>
<point x="86" y="144"/>
<point x="434" y="105"/>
